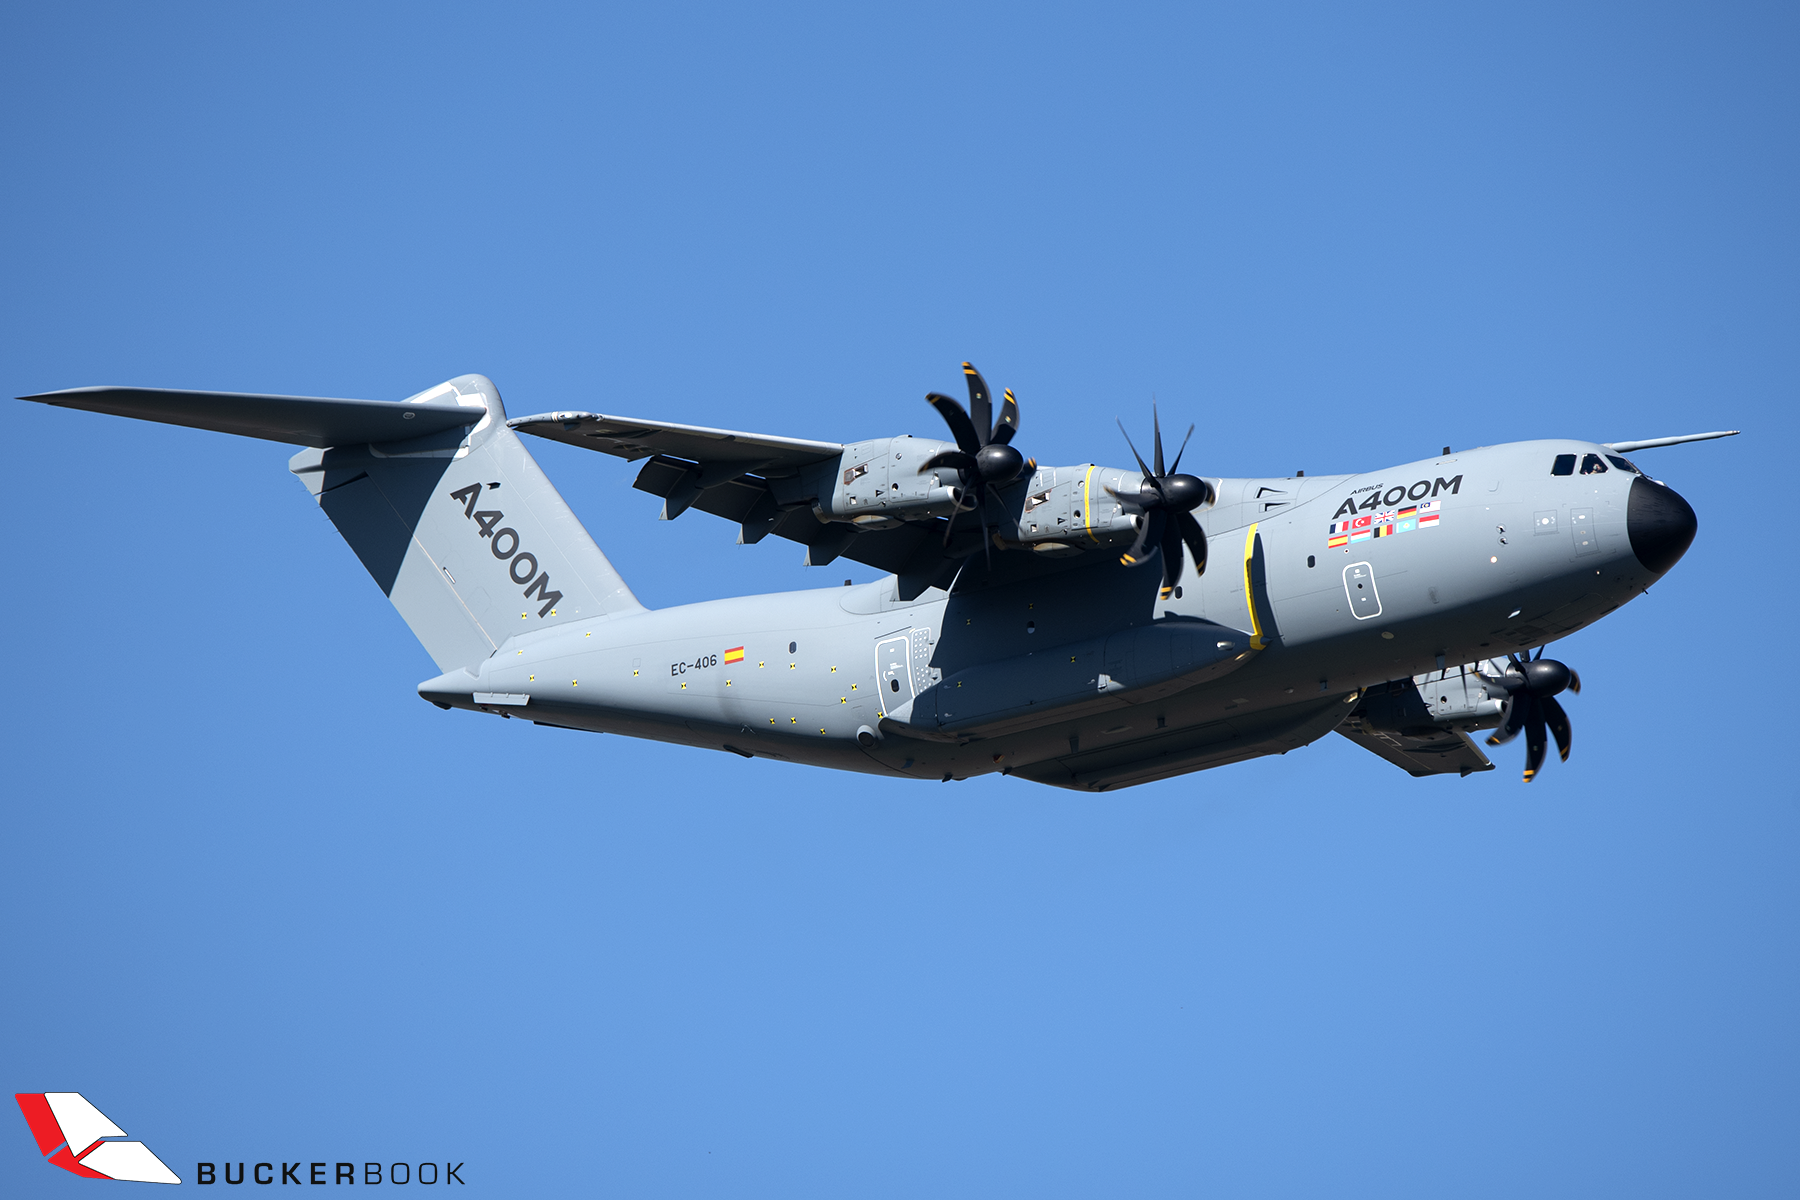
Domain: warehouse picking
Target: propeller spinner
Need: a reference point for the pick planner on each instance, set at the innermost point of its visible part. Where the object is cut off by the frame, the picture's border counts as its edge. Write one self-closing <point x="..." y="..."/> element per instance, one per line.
<point x="1168" y="500"/>
<point x="982" y="459"/>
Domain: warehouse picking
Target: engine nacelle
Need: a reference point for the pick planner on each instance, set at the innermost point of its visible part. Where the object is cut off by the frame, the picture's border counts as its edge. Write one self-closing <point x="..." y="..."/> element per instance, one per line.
<point x="879" y="484"/>
<point x="1070" y="508"/>
<point x="1436" y="702"/>
<point x="876" y="484"/>
<point x="1460" y="696"/>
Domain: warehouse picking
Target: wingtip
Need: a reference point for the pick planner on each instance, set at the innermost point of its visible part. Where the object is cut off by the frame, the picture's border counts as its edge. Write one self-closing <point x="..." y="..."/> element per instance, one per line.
<point x="55" y="394"/>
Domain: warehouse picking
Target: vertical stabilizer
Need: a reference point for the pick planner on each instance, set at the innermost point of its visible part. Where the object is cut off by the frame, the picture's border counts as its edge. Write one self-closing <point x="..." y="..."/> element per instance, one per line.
<point x="463" y="531"/>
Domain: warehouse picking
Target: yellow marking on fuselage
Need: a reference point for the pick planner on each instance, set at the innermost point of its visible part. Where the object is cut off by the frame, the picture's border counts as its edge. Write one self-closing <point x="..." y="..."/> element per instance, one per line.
<point x="1256" y="638"/>
<point x="1087" y="502"/>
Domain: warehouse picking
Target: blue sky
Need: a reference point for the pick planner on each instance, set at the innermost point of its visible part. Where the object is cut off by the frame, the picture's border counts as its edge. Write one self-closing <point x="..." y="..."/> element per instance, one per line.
<point x="265" y="904"/>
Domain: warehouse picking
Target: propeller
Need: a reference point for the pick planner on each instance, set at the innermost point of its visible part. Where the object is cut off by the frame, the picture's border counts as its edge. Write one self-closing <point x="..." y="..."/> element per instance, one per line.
<point x="1168" y="499"/>
<point x="1531" y="687"/>
<point x="982" y="459"/>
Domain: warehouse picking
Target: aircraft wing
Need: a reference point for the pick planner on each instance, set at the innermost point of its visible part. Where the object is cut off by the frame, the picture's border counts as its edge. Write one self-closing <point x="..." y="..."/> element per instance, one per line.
<point x="768" y="485"/>
<point x="726" y="473"/>
<point x="1446" y="753"/>
<point x="632" y="438"/>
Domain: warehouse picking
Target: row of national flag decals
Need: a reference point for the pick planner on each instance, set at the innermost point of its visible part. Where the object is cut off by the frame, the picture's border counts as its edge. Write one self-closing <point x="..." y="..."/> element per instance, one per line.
<point x="1384" y="524"/>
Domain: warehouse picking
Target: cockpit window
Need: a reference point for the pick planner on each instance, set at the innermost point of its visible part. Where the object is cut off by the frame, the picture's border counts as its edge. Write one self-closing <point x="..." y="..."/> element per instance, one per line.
<point x="1564" y="465"/>
<point x="1624" y="464"/>
<point x="1591" y="465"/>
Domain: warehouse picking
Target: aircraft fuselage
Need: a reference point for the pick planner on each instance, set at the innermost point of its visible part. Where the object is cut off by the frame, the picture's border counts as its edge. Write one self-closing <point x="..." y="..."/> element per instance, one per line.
<point x="1317" y="586"/>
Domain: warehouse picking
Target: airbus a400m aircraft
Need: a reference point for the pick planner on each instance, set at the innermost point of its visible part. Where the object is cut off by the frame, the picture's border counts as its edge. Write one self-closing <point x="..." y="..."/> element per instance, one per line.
<point x="1085" y="626"/>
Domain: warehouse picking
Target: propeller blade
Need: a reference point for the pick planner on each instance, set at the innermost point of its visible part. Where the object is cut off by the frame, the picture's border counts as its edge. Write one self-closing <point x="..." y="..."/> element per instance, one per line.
<point x="1509" y="728"/>
<point x="950" y="458"/>
<point x="1175" y="466"/>
<point x="1574" y="681"/>
<point x="1156" y="428"/>
<point x="1007" y="423"/>
<point x="1559" y="726"/>
<point x="1535" y="742"/>
<point x="980" y="402"/>
<point x="1142" y="465"/>
<point x="961" y="428"/>
<point x="1195" y="537"/>
<point x="987" y="541"/>
<point x="1149" y="534"/>
<point x="1173" y="559"/>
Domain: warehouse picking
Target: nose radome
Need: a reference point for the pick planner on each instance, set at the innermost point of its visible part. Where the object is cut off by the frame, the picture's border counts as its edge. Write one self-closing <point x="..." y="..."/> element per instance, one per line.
<point x="1659" y="523"/>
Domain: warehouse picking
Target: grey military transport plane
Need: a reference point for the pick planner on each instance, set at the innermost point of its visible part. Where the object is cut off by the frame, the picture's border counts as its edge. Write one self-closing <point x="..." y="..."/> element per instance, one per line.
<point x="1022" y="628"/>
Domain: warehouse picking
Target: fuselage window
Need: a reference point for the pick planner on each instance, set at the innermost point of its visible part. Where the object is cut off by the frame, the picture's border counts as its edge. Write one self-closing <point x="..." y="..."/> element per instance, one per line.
<point x="1591" y="465"/>
<point x="1624" y="464"/>
<point x="1564" y="465"/>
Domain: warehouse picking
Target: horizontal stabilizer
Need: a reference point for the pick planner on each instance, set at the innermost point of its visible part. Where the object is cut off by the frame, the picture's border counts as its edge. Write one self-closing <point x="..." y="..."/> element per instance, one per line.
<point x="296" y="420"/>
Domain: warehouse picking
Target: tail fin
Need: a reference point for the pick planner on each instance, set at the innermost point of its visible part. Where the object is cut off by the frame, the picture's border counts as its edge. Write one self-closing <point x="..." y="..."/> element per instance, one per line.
<point x="457" y="523"/>
<point x="463" y="531"/>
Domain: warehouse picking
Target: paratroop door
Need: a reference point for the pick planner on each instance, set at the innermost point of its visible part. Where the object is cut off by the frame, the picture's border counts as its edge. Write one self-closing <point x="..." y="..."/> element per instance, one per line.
<point x="902" y="666"/>
<point x="893" y="671"/>
<point x="1359" y="587"/>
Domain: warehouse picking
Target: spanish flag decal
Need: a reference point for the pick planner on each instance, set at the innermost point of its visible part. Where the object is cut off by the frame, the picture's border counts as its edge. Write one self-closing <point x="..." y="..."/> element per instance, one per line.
<point x="735" y="654"/>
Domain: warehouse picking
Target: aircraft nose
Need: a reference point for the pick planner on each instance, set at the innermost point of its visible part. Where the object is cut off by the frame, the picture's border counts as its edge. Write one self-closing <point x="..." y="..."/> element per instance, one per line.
<point x="1660" y="524"/>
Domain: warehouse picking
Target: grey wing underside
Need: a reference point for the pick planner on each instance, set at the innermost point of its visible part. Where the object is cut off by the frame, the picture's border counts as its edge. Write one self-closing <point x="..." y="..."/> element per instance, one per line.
<point x="1450" y="752"/>
<point x="731" y="474"/>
